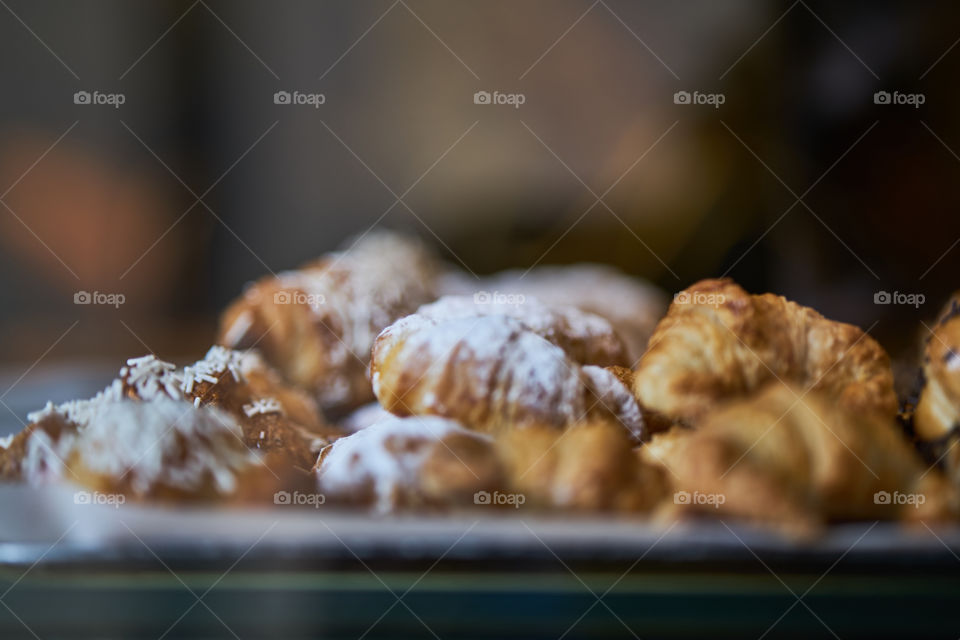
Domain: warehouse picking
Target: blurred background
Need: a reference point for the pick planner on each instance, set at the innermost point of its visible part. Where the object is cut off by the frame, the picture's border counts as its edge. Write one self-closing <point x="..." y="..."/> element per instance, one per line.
<point x="170" y="152"/>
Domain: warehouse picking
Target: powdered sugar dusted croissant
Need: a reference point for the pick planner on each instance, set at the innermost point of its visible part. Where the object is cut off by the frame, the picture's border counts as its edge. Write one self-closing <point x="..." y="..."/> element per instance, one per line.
<point x="632" y="305"/>
<point x="718" y="342"/>
<point x="316" y="325"/>
<point x="586" y="338"/>
<point x="491" y="373"/>
<point x="414" y="462"/>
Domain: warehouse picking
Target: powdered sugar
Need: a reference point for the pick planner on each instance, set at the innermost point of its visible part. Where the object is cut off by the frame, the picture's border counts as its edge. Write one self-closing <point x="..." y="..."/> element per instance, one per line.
<point x="365" y="416"/>
<point x="586" y="337"/>
<point x="383" y="459"/>
<point x="632" y="305"/>
<point x="613" y="396"/>
<point x="164" y="442"/>
<point x="349" y="296"/>
<point x="494" y="371"/>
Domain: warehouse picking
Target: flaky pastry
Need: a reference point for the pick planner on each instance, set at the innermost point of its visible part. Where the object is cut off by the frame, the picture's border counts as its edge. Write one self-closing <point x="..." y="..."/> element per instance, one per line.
<point x="415" y="462"/>
<point x="936" y="419"/>
<point x="798" y="460"/>
<point x="316" y="325"/>
<point x="589" y="467"/>
<point x="585" y="337"/>
<point x="160" y="432"/>
<point x="633" y="306"/>
<point x="718" y="342"/>
<point x="491" y="373"/>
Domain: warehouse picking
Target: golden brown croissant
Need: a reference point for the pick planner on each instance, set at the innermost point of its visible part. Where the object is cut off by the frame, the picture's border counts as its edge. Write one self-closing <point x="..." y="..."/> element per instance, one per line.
<point x="585" y="337"/>
<point x="415" y="462"/>
<point x="633" y="306"/>
<point x="937" y="416"/>
<point x="717" y="342"/>
<point x="491" y="373"/>
<point x="316" y="325"/>
<point x="797" y="462"/>
<point x="589" y="467"/>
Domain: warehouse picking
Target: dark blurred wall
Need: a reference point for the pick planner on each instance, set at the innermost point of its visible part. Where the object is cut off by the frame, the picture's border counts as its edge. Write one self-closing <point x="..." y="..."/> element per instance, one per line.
<point x="200" y="182"/>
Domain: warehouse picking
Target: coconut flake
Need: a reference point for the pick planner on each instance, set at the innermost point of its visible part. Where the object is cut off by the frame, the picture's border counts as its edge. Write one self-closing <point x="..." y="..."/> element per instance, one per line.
<point x="262" y="406"/>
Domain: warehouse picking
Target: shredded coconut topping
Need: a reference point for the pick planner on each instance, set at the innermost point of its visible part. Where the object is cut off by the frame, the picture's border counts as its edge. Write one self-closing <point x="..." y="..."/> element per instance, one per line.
<point x="152" y="378"/>
<point x="80" y="412"/>
<point x="262" y="406"/>
<point x="218" y="361"/>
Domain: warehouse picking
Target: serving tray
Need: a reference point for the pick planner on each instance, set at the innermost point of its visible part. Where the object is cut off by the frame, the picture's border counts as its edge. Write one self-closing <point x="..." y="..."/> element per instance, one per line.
<point x="136" y="571"/>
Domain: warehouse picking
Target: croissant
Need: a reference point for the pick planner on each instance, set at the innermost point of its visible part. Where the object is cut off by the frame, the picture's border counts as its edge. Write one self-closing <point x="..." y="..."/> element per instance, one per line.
<point x="585" y="337"/>
<point x="416" y="462"/>
<point x="589" y="467"/>
<point x="936" y="418"/>
<point x="160" y="432"/>
<point x="633" y="306"/>
<point x="799" y="463"/>
<point x="316" y="325"/>
<point x="491" y="373"/>
<point x="717" y="342"/>
<point x="273" y="416"/>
